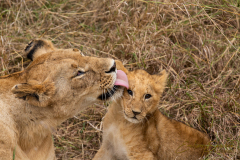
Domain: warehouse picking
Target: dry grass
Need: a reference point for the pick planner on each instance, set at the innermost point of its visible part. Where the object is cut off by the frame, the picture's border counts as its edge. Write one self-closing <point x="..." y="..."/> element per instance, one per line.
<point x="197" y="42"/>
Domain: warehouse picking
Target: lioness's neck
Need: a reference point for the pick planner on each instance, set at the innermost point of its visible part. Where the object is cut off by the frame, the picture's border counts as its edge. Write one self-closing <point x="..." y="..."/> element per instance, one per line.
<point x="29" y="121"/>
<point x="33" y="124"/>
<point x="8" y="81"/>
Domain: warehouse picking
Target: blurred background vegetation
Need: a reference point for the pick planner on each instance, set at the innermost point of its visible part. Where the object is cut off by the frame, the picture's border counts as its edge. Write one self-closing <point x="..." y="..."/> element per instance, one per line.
<point x="196" y="41"/>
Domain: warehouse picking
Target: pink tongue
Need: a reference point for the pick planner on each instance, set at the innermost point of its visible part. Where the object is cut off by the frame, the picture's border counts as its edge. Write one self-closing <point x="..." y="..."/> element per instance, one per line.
<point x="122" y="79"/>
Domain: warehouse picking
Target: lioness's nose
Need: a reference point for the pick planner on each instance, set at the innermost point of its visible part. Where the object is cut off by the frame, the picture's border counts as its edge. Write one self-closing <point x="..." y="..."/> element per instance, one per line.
<point x="112" y="69"/>
<point x="135" y="113"/>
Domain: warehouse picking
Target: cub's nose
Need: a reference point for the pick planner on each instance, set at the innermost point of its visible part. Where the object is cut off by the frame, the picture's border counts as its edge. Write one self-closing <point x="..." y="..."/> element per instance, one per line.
<point x="112" y="69"/>
<point x="136" y="113"/>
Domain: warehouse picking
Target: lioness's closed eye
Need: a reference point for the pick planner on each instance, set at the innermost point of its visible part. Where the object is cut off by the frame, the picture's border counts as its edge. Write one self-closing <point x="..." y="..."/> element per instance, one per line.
<point x="57" y="85"/>
<point x="134" y="129"/>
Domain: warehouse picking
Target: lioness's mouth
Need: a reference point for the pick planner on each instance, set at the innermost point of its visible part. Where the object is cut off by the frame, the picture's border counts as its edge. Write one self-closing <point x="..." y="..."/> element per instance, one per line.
<point x="108" y="94"/>
<point x="121" y="80"/>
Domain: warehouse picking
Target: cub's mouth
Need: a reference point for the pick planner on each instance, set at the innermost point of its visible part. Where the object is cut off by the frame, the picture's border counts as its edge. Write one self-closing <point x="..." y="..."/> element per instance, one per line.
<point x="121" y="81"/>
<point x="133" y="119"/>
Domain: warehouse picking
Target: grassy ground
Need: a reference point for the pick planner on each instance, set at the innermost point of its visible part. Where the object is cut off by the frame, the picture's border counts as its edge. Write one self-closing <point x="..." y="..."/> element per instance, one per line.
<point x="197" y="42"/>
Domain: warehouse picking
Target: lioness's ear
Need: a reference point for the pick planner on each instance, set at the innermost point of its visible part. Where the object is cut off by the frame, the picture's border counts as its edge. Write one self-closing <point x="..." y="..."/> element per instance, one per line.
<point x="160" y="80"/>
<point x="38" y="47"/>
<point x="77" y="50"/>
<point x="35" y="94"/>
<point x="120" y="66"/>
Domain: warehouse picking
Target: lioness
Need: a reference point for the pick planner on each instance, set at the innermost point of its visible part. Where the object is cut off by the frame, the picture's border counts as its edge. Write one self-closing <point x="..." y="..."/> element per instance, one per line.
<point x="55" y="86"/>
<point x="134" y="128"/>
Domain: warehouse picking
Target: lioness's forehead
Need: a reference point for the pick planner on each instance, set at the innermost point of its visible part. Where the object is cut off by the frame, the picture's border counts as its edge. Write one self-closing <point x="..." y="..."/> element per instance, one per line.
<point x="56" y="55"/>
<point x="63" y="55"/>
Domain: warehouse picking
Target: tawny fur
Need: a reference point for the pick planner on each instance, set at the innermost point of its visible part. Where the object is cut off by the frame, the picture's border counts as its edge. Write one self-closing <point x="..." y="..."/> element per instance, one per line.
<point x="151" y="135"/>
<point x="35" y="101"/>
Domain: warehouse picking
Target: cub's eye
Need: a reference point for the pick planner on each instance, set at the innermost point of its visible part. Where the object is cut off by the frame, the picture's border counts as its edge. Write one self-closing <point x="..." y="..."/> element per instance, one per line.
<point x="147" y="96"/>
<point x="80" y="73"/>
<point x="130" y="92"/>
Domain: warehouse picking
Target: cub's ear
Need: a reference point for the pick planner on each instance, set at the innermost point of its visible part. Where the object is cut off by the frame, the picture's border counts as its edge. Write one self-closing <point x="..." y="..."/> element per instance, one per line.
<point x="38" y="47"/>
<point x="120" y="66"/>
<point x="160" y="80"/>
<point x="35" y="94"/>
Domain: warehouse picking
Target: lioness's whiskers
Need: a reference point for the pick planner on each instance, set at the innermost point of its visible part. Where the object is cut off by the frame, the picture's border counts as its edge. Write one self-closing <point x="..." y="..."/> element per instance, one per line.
<point x="102" y="93"/>
<point x="109" y="92"/>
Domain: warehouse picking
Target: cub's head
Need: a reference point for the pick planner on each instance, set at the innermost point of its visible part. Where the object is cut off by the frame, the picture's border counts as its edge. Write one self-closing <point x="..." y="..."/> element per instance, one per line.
<point x="65" y="79"/>
<point x="143" y="95"/>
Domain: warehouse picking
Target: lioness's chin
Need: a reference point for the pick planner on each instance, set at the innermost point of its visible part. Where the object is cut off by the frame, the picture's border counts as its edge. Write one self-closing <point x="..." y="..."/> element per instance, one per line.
<point x="112" y="94"/>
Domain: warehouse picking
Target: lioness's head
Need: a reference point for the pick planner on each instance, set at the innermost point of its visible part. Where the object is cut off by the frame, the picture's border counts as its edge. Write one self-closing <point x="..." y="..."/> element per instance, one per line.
<point x="143" y="95"/>
<point x="66" y="79"/>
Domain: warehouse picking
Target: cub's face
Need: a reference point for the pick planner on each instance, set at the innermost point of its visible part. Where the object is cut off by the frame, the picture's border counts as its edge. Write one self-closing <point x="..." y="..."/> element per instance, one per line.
<point x="143" y="95"/>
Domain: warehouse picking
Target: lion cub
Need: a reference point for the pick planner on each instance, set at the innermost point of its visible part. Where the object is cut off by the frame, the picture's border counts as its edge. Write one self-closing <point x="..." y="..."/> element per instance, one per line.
<point x="134" y="128"/>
